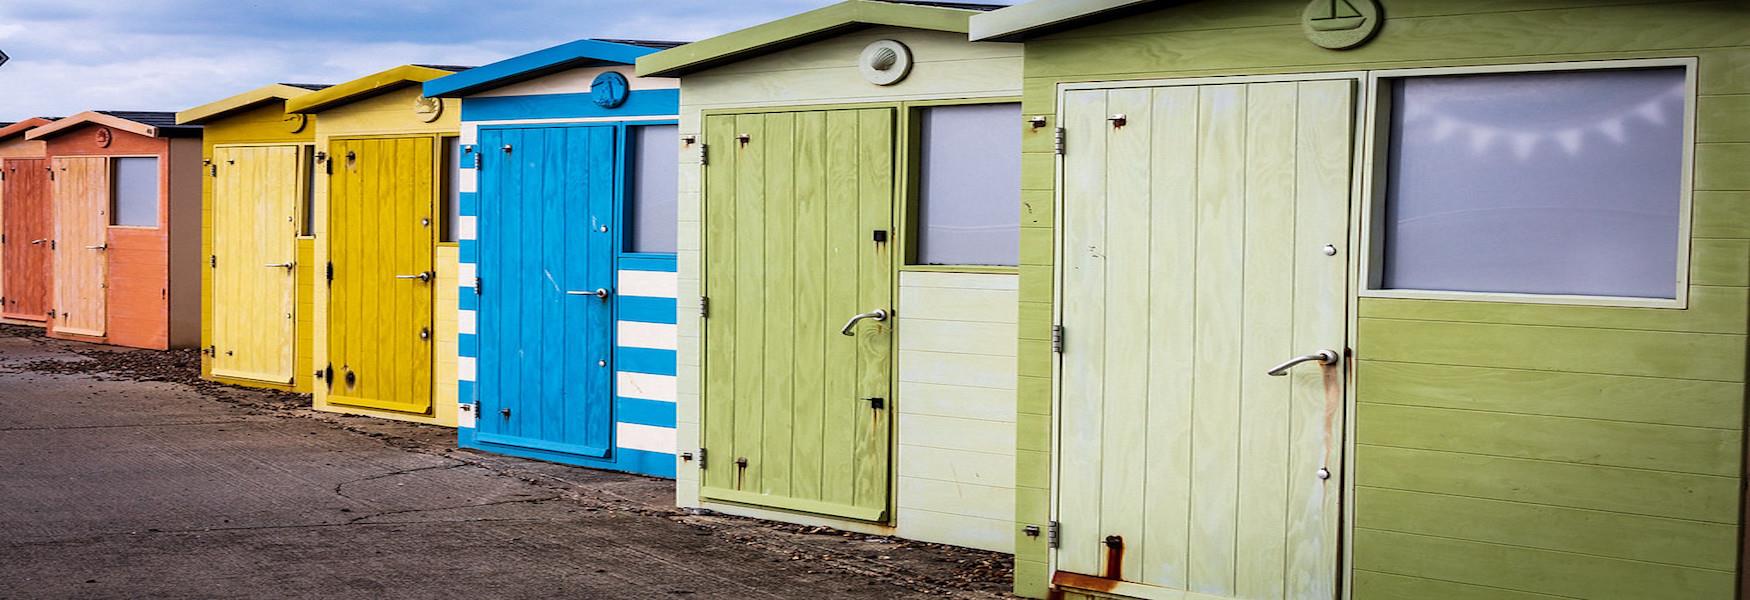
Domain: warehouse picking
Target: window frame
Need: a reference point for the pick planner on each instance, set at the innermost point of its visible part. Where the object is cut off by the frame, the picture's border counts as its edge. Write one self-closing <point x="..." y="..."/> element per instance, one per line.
<point x="1375" y="139"/>
<point x="624" y="213"/>
<point x="114" y="209"/>
<point x="911" y="152"/>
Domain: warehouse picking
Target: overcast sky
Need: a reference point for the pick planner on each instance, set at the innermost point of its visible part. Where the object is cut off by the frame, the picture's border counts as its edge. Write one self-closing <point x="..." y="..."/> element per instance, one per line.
<point x="74" y="55"/>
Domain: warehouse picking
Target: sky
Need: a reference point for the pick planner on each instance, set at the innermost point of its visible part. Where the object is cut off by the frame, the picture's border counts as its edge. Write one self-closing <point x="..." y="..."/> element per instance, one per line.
<point x="74" y="55"/>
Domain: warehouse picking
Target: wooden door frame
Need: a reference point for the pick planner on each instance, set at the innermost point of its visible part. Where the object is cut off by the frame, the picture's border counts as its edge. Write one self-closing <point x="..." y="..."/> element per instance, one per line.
<point x="302" y="181"/>
<point x="1359" y="172"/>
<point x="903" y="146"/>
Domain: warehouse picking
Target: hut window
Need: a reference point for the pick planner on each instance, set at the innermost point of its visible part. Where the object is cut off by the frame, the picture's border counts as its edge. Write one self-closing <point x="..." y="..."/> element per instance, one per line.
<point x="450" y="202"/>
<point x="307" y="204"/>
<point x="134" y="192"/>
<point x="1563" y="183"/>
<point x="651" y="219"/>
<point x="969" y="185"/>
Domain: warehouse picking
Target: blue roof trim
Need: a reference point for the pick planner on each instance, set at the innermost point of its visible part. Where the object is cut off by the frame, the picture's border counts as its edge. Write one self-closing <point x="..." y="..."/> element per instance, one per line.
<point x="535" y="64"/>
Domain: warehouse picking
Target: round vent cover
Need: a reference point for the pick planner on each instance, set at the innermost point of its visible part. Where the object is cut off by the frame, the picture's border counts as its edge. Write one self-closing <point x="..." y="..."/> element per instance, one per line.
<point x="885" y="62"/>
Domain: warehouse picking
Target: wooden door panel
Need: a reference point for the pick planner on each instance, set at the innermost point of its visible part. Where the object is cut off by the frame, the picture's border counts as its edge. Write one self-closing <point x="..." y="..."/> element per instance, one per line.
<point x="790" y="256"/>
<point x="381" y="207"/>
<point x="81" y="208"/>
<point x="1192" y="262"/>
<point x="546" y="233"/>
<point x="27" y="230"/>
<point x="255" y="195"/>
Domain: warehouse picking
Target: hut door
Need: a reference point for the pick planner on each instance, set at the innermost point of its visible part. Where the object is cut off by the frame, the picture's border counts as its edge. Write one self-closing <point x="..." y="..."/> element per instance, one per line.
<point x="255" y="195"/>
<point x="546" y="307"/>
<point x="26" y="235"/>
<point x="1204" y="244"/>
<point x="381" y="198"/>
<point x="799" y="211"/>
<point x="81" y="208"/>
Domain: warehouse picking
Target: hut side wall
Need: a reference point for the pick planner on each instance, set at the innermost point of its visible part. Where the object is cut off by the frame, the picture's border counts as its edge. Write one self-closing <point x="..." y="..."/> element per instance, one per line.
<point x="1491" y="440"/>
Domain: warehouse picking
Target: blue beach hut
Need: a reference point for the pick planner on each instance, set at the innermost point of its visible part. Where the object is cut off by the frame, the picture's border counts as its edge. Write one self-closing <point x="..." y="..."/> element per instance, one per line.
<point x="566" y="229"/>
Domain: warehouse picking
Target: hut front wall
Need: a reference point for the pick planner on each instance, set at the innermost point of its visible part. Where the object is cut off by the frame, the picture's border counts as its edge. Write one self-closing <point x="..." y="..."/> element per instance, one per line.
<point x="1500" y="449"/>
<point x="953" y="440"/>
<point x="389" y="115"/>
<point x="18" y="147"/>
<point x="645" y="334"/>
<point x="262" y="125"/>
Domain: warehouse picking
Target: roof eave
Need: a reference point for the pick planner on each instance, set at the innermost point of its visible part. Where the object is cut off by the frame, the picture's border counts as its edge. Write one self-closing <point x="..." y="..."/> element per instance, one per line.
<point x="1022" y="21"/>
<point x="240" y="102"/>
<point x="579" y="53"/>
<point x="799" y="29"/>
<point x="363" y="87"/>
<point x="22" y="127"/>
<point x="90" y="117"/>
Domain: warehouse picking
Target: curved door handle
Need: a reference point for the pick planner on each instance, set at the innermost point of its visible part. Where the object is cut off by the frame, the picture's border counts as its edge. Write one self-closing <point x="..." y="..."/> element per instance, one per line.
<point x="98" y="247"/>
<point x="35" y="242"/>
<point x="879" y="314"/>
<point x="1324" y="357"/>
<point x="599" y="293"/>
<point x="285" y="265"/>
<point x="422" y="277"/>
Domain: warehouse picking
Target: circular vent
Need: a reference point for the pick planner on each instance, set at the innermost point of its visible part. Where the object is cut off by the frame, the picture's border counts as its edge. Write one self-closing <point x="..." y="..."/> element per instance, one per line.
<point x="885" y="62"/>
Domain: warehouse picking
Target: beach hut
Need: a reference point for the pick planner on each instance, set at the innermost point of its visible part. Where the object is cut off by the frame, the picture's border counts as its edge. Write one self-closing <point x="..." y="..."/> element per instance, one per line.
<point x="385" y="303"/>
<point x="257" y="236"/>
<point x="566" y="231"/>
<point x="848" y="210"/>
<point x="1383" y="299"/>
<point x="126" y="214"/>
<point x="25" y="225"/>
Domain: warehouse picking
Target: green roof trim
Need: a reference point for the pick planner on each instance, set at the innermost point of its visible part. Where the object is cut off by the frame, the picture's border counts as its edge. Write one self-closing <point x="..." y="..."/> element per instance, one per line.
<point x="1019" y="22"/>
<point x="366" y="87"/>
<point x="796" y="30"/>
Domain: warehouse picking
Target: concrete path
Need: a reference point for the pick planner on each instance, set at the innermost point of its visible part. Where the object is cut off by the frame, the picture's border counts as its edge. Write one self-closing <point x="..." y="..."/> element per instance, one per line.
<point x="114" y="487"/>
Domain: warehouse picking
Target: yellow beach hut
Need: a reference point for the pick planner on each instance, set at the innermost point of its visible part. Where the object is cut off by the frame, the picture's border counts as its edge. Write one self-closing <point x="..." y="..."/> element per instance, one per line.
<point x="257" y="238"/>
<point x="385" y="298"/>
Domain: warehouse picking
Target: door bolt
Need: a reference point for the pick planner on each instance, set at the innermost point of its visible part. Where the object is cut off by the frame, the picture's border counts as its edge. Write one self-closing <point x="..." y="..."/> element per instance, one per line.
<point x="1330" y="250"/>
<point x="1324" y="473"/>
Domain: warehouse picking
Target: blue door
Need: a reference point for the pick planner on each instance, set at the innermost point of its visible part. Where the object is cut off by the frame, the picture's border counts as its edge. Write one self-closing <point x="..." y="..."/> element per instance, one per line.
<point x="546" y="286"/>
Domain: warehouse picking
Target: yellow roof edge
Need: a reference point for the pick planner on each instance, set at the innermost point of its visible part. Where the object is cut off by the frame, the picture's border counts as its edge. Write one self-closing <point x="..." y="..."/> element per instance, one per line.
<point x="363" y="87"/>
<point x="221" y="108"/>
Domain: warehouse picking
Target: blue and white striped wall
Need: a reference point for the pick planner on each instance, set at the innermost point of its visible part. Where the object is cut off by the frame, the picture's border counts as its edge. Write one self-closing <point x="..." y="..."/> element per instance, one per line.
<point x="645" y="335"/>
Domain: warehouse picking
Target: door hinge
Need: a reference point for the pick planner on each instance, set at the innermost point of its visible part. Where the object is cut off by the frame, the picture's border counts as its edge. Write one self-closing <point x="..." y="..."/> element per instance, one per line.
<point x="475" y="150"/>
<point x="701" y="459"/>
<point x="704" y="154"/>
<point x="331" y="271"/>
<point x="1057" y="142"/>
<point x="1057" y="339"/>
<point x="213" y="261"/>
<point x="213" y="170"/>
<point x="1051" y="537"/>
<point x="704" y="307"/>
<point x="477" y="285"/>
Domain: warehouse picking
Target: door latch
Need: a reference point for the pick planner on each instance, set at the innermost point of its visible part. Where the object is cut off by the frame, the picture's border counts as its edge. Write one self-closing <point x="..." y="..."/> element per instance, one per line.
<point x="876" y="403"/>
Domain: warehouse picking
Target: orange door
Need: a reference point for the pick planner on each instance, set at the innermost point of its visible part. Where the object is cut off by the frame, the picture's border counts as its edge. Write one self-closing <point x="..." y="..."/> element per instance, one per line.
<point x="26" y="234"/>
<point x="81" y="194"/>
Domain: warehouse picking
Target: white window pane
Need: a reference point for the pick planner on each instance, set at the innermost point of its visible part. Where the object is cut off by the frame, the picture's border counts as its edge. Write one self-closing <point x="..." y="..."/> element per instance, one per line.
<point x="655" y="174"/>
<point x="969" y="205"/>
<point x="1539" y="183"/>
<point x="134" y="192"/>
<point x="451" y="202"/>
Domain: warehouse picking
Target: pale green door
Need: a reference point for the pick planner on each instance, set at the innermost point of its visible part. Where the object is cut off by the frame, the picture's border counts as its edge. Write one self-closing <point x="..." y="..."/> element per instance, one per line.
<point x="1204" y="242"/>
<point x="798" y="211"/>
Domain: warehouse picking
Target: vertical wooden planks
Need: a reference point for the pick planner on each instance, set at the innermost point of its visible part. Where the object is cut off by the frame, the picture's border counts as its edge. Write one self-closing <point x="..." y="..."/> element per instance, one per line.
<point x="254" y="203"/>
<point x="1269" y="168"/>
<point x="27" y="230"/>
<point x="1084" y="298"/>
<point x="1216" y="349"/>
<point x="596" y="253"/>
<point x="839" y="414"/>
<point x="720" y="284"/>
<point x="81" y="200"/>
<point x="777" y="425"/>
<point x="750" y="346"/>
<point x="874" y="340"/>
<point x="1124" y="437"/>
<point x="813" y="323"/>
<point x="1172" y="256"/>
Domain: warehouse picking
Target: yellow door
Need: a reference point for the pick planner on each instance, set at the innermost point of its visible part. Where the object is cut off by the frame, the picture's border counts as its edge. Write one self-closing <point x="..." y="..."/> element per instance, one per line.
<point x="255" y="195"/>
<point x="81" y="237"/>
<point x="381" y="198"/>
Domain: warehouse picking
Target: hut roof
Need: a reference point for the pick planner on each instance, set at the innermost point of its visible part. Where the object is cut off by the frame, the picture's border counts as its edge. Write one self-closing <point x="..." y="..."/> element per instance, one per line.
<point x="580" y="53"/>
<point x="142" y="122"/>
<point x="368" y="86"/>
<point x="246" y="100"/>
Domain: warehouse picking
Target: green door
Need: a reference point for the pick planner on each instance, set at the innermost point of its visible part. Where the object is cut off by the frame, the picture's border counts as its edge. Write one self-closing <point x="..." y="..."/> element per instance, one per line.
<point x="1204" y="243"/>
<point x="799" y="208"/>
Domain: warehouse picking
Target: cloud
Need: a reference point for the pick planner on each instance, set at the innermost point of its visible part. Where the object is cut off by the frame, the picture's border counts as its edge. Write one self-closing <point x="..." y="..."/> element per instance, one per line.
<point x="74" y="55"/>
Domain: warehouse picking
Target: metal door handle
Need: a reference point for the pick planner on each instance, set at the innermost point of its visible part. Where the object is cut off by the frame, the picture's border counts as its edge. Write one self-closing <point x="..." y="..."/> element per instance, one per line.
<point x="285" y="265"/>
<point x="98" y="247"/>
<point x="879" y="314"/>
<point x="34" y="242"/>
<point x="600" y="293"/>
<point x="1324" y="357"/>
<point x="426" y="276"/>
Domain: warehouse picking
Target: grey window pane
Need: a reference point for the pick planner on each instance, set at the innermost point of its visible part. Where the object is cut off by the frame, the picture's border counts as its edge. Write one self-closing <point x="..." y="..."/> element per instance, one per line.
<point x="1539" y="183"/>
<point x="655" y="180"/>
<point x="452" y="198"/>
<point x="969" y="205"/>
<point x="134" y="192"/>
